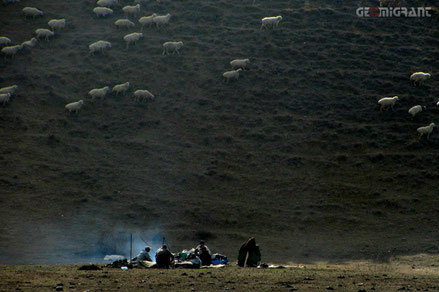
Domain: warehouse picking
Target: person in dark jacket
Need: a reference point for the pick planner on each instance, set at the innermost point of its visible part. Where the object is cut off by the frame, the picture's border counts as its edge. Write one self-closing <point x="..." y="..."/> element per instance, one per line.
<point x="164" y="257"/>
<point x="249" y="254"/>
<point x="203" y="252"/>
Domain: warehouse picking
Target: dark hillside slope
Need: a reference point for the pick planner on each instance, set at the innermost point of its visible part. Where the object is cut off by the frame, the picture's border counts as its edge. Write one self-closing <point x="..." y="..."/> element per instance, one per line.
<point x="296" y="152"/>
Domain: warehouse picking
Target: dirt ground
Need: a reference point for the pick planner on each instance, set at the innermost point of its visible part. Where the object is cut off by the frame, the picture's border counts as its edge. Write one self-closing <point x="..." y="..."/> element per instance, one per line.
<point x="402" y="274"/>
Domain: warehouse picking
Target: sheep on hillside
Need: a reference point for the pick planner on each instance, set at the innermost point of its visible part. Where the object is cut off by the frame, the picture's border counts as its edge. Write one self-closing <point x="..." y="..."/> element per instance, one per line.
<point x="230" y="75"/>
<point x="30" y="43"/>
<point x="9" y="89"/>
<point x="416" y="109"/>
<point x="132" y="10"/>
<point x="102" y="11"/>
<point x="419" y="77"/>
<point x="99" y="46"/>
<point x="386" y="102"/>
<point x="55" y="24"/>
<point x="271" y="21"/>
<point x="32" y="11"/>
<point x="74" y="106"/>
<point x="99" y="92"/>
<point x="240" y="63"/>
<point x="147" y="20"/>
<point x="173" y="47"/>
<point x="121" y="88"/>
<point x="11" y="50"/>
<point x="44" y="33"/>
<point x="161" y="20"/>
<point x="132" y="38"/>
<point x="4" y="41"/>
<point x="124" y="23"/>
<point x="142" y="95"/>
<point x="426" y="130"/>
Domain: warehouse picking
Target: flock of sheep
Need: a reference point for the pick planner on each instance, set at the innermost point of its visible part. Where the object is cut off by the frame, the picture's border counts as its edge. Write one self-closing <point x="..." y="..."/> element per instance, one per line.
<point x="416" y="78"/>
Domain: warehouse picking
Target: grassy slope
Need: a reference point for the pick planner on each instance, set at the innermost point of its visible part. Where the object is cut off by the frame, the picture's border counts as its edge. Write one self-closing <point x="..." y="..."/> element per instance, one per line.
<point x="295" y="152"/>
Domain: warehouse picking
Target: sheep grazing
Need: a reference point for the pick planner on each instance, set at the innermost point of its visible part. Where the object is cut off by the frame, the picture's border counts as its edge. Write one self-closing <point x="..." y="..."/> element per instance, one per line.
<point x="55" y="24"/>
<point x="99" y="92"/>
<point x="132" y="38"/>
<point x="30" y="43"/>
<point x="4" y="41"/>
<point x="107" y="3"/>
<point x="230" y="75"/>
<point x="386" y="102"/>
<point x="124" y="23"/>
<point x="99" y="46"/>
<point x="32" y="11"/>
<point x="161" y="20"/>
<point x="240" y="63"/>
<point x="11" y="50"/>
<point x="44" y="33"/>
<point x="173" y="47"/>
<point x="9" y="89"/>
<point x="416" y="109"/>
<point x="147" y="20"/>
<point x="102" y="11"/>
<point x="5" y="98"/>
<point x="121" y="88"/>
<point x="426" y="130"/>
<point x="74" y="106"/>
<point x="131" y="10"/>
<point x="272" y="21"/>
<point x="418" y="77"/>
<point x="142" y="95"/>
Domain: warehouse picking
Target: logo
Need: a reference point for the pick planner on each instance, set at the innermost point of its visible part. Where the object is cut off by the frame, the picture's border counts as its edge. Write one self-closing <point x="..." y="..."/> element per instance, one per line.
<point x="393" y="12"/>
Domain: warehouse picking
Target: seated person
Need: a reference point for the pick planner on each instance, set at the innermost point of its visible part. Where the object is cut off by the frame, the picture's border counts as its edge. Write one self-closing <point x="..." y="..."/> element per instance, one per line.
<point x="164" y="257"/>
<point x="203" y="252"/>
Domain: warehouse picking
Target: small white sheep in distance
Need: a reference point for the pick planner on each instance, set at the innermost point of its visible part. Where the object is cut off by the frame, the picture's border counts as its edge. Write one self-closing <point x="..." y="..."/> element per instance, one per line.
<point x="32" y="11"/>
<point x="5" y="98"/>
<point x="107" y="3"/>
<point x="141" y="94"/>
<point x="386" y="102"/>
<point x="161" y="20"/>
<point x="99" y="46"/>
<point x="102" y="11"/>
<point x="132" y="38"/>
<point x="124" y="23"/>
<point x="426" y="130"/>
<point x="419" y="77"/>
<point x="131" y="10"/>
<point x="272" y="21"/>
<point x="240" y="63"/>
<point x="99" y="92"/>
<point x="230" y="75"/>
<point x="44" y="33"/>
<point x="173" y="47"/>
<point x="55" y="24"/>
<point x="11" y="50"/>
<point x="121" y="88"/>
<point x="30" y="43"/>
<point x="9" y="89"/>
<point x="147" y="20"/>
<point x="4" y="41"/>
<point x="416" y="109"/>
<point x="74" y="106"/>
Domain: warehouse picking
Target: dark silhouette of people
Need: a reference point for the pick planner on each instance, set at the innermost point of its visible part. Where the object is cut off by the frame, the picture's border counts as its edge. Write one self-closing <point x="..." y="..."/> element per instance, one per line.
<point x="164" y="257"/>
<point x="203" y="252"/>
<point x="249" y="254"/>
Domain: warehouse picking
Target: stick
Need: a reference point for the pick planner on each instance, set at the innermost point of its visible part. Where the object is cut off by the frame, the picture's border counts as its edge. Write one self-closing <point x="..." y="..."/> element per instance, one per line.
<point x="131" y="246"/>
<point x="246" y="258"/>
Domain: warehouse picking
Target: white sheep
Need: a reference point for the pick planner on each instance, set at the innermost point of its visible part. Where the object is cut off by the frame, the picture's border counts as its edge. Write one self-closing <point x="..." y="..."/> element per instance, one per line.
<point x="386" y="102"/>
<point x="147" y="20"/>
<point x="5" y="98"/>
<point x="11" y="50"/>
<point x="124" y="23"/>
<point x="44" y="33"/>
<point x="143" y="94"/>
<point x="161" y="20"/>
<point x="74" y="106"/>
<point x="4" y="41"/>
<point x="30" y="43"/>
<point x="57" y="24"/>
<point x="416" y="109"/>
<point x="131" y="10"/>
<point x="240" y="63"/>
<point x="99" y="46"/>
<point x="9" y="89"/>
<point x="272" y="21"/>
<point x="426" y="130"/>
<point x="419" y="77"/>
<point x="230" y="75"/>
<point x="173" y="47"/>
<point x="99" y="92"/>
<point x="107" y="3"/>
<point x="102" y="11"/>
<point x="32" y="11"/>
<point x="132" y="38"/>
<point x="121" y="88"/>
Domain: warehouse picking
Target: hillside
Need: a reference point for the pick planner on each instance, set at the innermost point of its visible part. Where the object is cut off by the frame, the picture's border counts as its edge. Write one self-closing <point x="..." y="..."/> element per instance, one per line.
<point x="295" y="153"/>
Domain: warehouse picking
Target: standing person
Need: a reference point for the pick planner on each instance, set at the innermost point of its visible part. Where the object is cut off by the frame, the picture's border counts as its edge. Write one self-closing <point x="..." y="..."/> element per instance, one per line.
<point x="203" y="252"/>
<point x="249" y="254"/>
<point x="164" y="257"/>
